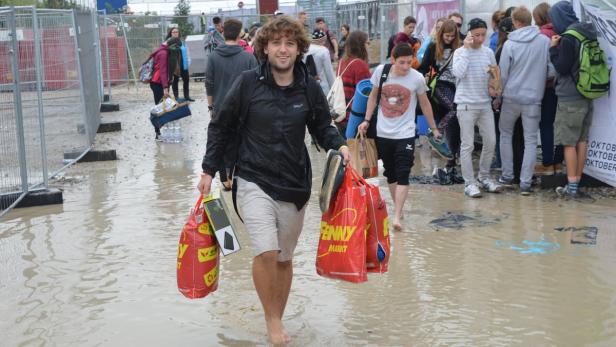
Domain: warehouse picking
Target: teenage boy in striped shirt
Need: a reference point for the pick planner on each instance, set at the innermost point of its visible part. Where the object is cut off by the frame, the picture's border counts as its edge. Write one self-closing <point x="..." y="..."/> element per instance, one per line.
<point x="473" y="100"/>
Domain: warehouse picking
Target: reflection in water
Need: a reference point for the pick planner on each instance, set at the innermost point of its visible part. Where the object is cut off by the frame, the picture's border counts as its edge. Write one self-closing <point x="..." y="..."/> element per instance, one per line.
<point x="101" y="269"/>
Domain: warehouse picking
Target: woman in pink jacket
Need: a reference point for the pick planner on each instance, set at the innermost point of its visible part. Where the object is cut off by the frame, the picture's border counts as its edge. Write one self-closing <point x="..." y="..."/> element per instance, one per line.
<point x="162" y="73"/>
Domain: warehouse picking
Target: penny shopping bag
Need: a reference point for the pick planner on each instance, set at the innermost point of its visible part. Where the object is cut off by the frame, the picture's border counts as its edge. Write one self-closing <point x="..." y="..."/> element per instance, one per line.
<point x="198" y="256"/>
<point x="377" y="234"/>
<point x="342" y="241"/>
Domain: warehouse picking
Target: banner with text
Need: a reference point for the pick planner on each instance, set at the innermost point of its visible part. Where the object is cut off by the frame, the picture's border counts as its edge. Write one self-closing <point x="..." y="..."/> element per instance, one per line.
<point x="429" y="12"/>
<point x="601" y="161"/>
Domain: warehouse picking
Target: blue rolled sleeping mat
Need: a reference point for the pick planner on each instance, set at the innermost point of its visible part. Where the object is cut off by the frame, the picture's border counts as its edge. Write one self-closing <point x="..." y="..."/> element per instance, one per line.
<point x="358" y="108"/>
<point x="422" y="125"/>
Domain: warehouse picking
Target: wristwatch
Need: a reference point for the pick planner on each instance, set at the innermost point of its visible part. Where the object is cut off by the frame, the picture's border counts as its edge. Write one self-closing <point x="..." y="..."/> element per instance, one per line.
<point x="210" y="108"/>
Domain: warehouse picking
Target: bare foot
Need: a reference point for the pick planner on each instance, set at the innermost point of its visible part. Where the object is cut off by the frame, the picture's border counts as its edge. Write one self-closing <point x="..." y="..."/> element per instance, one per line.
<point x="277" y="334"/>
<point x="397" y="225"/>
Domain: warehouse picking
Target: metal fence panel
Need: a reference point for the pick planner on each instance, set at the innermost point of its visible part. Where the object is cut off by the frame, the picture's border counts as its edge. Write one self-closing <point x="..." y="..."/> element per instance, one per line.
<point x="45" y="122"/>
<point x="87" y="40"/>
<point x="13" y="177"/>
<point x="65" y="131"/>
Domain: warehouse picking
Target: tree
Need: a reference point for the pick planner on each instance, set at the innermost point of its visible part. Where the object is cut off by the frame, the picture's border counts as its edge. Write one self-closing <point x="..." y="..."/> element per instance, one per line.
<point x="182" y="10"/>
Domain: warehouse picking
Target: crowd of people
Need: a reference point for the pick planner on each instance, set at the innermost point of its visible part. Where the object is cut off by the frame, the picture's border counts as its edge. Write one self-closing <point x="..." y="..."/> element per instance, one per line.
<point x="267" y="85"/>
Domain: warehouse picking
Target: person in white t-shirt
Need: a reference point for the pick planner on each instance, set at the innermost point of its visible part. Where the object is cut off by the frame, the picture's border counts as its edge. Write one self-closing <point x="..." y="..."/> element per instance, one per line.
<point x="395" y="126"/>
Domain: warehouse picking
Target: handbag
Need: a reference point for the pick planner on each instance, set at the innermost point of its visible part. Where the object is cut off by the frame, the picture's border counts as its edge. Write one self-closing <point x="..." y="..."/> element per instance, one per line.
<point x="341" y="252"/>
<point x="198" y="256"/>
<point x="432" y="85"/>
<point x="364" y="155"/>
<point x="163" y="113"/>
<point x="336" y="99"/>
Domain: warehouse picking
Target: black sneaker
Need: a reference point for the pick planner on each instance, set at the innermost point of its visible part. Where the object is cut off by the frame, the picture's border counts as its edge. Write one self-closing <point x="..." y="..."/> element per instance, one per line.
<point x="332" y="179"/>
<point x="526" y="191"/>
<point x="505" y="182"/>
<point x="454" y="176"/>
<point x="443" y="177"/>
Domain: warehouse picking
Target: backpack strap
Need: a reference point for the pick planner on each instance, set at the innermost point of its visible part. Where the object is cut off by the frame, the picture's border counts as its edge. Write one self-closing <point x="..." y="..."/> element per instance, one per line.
<point x="576" y="34"/>
<point x="345" y="68"/>
<point x="384" y="75"/>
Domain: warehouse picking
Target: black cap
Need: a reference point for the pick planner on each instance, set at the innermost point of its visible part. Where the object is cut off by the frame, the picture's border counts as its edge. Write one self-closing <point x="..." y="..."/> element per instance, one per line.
<point x="476" y="23"/>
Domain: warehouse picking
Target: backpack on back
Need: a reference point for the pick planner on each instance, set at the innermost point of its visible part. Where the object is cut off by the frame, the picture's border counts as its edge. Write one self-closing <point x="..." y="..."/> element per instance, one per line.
<point x="592" y="78"/>
<point x="390" y="44"/>
<point x="312" y="67"/>
<point x="336" y="98"/>
<point x="146" y="70"/>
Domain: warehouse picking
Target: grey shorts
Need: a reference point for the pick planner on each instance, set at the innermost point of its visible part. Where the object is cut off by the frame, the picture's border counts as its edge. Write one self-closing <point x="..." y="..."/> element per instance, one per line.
<point x="573" y="120"/>
<point x="272" y="225"/>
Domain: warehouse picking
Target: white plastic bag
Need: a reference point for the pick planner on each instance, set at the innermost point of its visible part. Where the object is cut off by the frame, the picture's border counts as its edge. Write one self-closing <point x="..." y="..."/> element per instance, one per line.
<point x="166" y="105"/>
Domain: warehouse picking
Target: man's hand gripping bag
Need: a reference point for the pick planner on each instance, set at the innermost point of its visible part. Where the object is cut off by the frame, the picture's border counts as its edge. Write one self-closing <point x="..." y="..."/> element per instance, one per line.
<point x="342" y="242"/>
<point x="198" y="259"/>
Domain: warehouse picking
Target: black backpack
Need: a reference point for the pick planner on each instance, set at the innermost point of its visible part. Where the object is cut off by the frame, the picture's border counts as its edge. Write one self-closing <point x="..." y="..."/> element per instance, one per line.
<point x="390" y="45"/>
<point x="312" y="67"/>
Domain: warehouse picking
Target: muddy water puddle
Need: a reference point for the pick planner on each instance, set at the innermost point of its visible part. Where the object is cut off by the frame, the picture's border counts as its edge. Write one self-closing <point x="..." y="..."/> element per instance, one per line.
<point x="99" y="270"/>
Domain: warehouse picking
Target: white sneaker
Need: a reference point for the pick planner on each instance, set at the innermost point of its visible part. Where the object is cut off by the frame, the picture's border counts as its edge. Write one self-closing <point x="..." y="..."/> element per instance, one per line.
<point x="490" y="185"/>
<point x="472" y="190"/>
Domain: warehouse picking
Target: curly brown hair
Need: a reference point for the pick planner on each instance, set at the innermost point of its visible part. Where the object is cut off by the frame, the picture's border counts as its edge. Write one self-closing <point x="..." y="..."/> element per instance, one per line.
<point x="281" y="26"/>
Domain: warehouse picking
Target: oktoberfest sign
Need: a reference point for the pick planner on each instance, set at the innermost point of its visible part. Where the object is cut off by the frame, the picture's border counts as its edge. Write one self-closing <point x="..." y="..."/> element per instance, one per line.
<point x="601" y="161"/>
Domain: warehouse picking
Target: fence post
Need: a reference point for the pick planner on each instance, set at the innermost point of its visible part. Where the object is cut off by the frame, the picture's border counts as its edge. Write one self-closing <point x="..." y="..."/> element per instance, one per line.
<point x="96" y="37"/>
<point x="383" y="39"/>
<point x="130" y="58"/>
<point x="39" y="93"/>
<point x="19" y="117"/>
<point x="107" y="55"/>
<point x="84" y="109"/>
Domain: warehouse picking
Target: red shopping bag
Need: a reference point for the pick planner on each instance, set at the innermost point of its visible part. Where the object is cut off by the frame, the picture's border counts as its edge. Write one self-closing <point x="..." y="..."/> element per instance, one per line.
<point x="198" y="260"/>
<point x="377" y="237"/>
<point x="342" y="242"/>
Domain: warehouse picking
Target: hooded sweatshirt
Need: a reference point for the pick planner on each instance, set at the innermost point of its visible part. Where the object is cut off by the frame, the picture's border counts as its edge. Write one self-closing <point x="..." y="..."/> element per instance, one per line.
<point x="224" y="64"/>
<point x="525" y="66"/>
<point x="565" y="57"/>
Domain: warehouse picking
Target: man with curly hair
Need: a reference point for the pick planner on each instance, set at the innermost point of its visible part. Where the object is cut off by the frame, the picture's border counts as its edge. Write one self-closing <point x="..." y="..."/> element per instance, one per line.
<point x="268" y="109"/>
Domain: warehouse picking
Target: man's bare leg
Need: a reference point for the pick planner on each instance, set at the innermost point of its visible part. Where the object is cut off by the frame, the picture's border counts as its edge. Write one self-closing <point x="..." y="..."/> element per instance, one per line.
<point x="582" y="152"/>
<point x="273" y="283"/>
<point x="398" y="195"/>
<point x="571" y="159"/>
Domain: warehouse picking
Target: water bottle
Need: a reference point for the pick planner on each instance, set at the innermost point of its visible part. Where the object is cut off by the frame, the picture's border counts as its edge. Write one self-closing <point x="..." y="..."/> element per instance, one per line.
<point x="164" y="133"/>
<point x="177" y="132"/>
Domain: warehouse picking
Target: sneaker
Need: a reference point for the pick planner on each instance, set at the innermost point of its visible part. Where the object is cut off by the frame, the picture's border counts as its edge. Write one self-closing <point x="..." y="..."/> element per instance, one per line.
<point x="332" y="179"/>
<point x="443" y="177"/>
<point x="564" y="191"/>
<point x="190" y="99"/>
<point x="157" y="138"/>
<point x="472" y="191"/>
<point x="440" y="147"/>
<point x="526" y="191"/>
<point x="490" y="185"/>
<point x="454" y="176"/>
<point x="505" y="182"/>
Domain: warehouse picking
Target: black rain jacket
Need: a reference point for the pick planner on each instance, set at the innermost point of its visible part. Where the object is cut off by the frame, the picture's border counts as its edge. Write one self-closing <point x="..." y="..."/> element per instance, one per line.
<point x="269" y="122"/>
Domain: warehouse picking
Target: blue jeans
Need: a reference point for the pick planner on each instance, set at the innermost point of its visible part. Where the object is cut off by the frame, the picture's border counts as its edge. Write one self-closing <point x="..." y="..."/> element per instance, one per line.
<point x="550" y="154"/>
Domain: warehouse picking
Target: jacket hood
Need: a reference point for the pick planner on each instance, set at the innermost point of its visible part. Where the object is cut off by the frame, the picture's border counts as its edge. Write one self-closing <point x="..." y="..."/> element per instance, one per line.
<point x="229" y="50"/>
<point x="525" y="34"/>
<point x="586" y="29"/>
<point x="300" y="73"/>
<point x="562" y="16"/>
